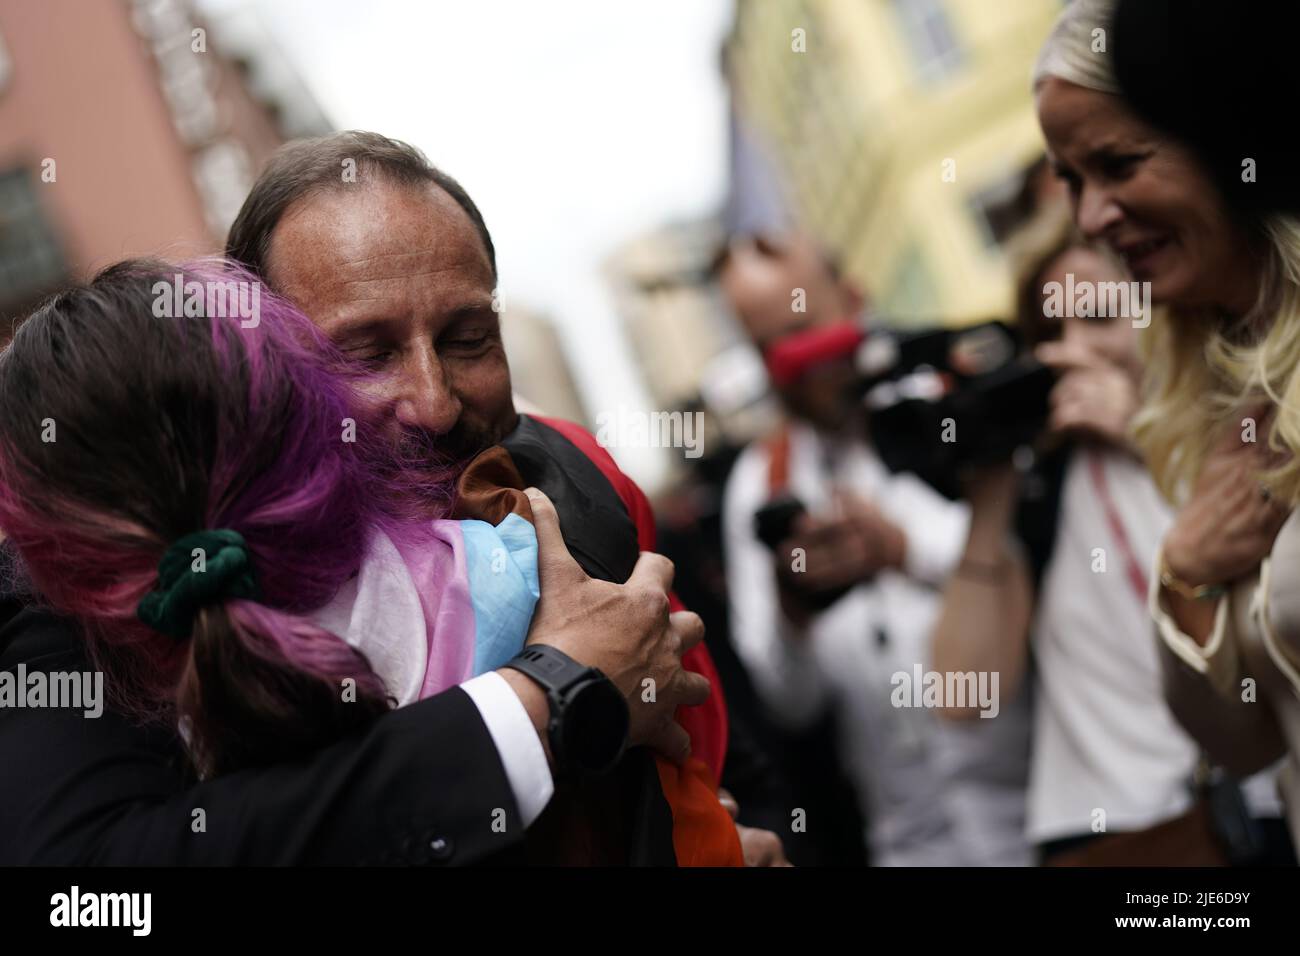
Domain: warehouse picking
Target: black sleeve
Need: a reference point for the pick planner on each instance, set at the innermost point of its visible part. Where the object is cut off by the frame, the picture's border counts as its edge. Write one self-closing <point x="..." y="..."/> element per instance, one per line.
<point x="762" y="793"/>
<point x="422" y="785"/>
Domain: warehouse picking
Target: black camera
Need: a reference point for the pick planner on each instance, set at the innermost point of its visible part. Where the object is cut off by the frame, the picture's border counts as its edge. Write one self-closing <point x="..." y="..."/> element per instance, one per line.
<point x="943" y="401"/>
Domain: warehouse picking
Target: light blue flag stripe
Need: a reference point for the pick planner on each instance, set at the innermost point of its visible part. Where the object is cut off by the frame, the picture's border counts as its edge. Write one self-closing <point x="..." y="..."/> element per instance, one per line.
<point x="503" y="586"/>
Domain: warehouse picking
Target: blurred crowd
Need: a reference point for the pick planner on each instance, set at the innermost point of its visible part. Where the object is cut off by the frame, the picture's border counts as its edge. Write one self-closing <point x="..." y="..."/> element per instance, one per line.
<point x="1095" y="571"/>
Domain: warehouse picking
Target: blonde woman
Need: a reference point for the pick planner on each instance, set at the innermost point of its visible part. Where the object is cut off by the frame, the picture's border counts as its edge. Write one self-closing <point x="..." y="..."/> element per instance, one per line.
<point x="1159" y="183"/>
<point x="1103" y="737"/>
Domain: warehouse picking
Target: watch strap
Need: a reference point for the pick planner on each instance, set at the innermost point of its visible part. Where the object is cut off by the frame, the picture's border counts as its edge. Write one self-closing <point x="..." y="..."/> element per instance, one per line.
<point x="553" y="669"/>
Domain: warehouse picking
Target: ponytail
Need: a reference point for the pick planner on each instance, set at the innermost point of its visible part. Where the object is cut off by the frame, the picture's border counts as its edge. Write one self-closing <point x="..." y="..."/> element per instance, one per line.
<point x="261" y="686"/>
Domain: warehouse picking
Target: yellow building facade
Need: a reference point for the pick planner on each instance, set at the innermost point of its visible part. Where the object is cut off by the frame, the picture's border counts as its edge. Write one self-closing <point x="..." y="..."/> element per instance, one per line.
<point x="902" y="130"/>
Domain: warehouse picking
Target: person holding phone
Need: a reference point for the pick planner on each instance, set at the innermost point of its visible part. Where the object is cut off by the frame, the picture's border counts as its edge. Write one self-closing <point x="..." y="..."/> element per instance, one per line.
<point x="833" y="565"/>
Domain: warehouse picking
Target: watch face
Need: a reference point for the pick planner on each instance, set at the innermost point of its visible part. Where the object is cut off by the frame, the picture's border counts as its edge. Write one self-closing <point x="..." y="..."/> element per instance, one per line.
<point x="595" y="726"/>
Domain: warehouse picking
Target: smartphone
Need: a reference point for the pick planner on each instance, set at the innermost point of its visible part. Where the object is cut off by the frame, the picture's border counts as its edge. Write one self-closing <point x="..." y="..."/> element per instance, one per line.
<point x="774" y="521"/>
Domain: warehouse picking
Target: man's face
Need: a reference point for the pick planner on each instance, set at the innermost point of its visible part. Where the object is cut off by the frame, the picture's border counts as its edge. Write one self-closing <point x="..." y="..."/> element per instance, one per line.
<point x="779" y="287"/>
<point x="398" y="278"/>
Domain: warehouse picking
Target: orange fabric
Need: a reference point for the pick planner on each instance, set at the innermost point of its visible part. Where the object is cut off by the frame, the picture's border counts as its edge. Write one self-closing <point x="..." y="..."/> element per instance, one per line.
<point x="703" y="832"/>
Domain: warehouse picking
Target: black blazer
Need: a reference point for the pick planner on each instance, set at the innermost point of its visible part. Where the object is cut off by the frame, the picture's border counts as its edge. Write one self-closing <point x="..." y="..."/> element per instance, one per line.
<point x="418" y="787"/>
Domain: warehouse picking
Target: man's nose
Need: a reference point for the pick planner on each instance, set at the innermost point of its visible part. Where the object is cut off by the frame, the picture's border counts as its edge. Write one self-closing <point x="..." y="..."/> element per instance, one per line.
<point x="1097" y="212"/>
<point x="425" y="398"/>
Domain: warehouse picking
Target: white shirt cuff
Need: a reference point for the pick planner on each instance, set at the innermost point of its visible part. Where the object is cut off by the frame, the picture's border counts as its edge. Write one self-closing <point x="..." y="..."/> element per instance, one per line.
<point x="1186" y="648"/>
<point x="516" y="741"/>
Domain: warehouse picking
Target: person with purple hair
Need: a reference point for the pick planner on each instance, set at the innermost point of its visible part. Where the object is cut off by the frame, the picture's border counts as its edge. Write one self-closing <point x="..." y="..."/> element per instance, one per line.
<point x="258" y="569"/>
<point x="219" y="514"/>
<point x="397" y="269"/>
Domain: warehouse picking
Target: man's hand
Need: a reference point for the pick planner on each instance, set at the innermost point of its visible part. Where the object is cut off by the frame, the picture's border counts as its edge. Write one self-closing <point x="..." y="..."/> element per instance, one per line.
<point x="760" y="847"/>
<point x="841" y="551"/>
<point x="1093" y="397"/>
<point x="884" y="541"/>
<point x="625" y="630"/>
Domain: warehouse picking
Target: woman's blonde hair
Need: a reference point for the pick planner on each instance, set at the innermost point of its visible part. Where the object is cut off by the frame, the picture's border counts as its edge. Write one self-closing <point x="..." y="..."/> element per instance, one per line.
<point x="1205" y="375"/>
<point x="1203" y="371"/>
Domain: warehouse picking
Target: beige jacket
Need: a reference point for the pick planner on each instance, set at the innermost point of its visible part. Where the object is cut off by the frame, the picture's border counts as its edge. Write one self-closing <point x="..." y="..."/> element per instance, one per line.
<point x="1239" y="695"/>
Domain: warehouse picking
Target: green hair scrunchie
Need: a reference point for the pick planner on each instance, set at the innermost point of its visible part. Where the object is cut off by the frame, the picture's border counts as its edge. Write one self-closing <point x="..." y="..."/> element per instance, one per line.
<point x="227" y="573"/>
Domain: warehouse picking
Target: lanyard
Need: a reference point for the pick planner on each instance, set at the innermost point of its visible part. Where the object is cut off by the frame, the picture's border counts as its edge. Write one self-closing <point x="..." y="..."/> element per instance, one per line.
<point x="1137" y="577"/>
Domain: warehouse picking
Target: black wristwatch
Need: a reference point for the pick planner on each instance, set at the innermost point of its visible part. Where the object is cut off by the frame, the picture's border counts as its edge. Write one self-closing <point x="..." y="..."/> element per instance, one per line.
<point x="589" y="719"/>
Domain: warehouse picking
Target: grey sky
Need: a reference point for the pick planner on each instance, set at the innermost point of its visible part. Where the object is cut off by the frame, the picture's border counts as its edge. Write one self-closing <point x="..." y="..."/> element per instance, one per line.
<point x="575" y="124"/>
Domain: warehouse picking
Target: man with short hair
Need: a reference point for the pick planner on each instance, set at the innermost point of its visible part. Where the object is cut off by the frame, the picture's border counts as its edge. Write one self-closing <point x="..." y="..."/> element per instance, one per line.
<point x="833" y="566"/>
<point x="393" y="261"/>
<point x="424" y="783"/>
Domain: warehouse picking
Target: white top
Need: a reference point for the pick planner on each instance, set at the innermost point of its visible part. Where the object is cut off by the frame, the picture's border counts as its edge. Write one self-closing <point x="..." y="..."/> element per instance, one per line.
<point x="933" y="794"/>
<point x="1104" y="738"/>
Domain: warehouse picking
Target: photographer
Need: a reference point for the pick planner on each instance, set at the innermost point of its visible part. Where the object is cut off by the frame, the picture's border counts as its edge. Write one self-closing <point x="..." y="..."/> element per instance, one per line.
<point x="841" y="598"/>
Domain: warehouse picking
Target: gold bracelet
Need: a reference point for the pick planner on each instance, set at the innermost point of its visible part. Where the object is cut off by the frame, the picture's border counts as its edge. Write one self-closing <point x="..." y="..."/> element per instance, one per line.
<point x="1199" y="592"/>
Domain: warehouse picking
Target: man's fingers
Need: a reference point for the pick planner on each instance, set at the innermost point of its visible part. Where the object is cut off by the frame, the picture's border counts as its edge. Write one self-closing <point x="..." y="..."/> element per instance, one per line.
<point x="691" y="689"/>
<point x="826" y="534"/>
<point x="672" y="742"/>
<point x="803" y="523"/>
<point x="761" y="847"/>
<point x="849" y="502"/>
<point x="653" y="570"/>
<point x="689" y="627"/>
<point x="553" y="557"/>
<point x="728" y="802"/>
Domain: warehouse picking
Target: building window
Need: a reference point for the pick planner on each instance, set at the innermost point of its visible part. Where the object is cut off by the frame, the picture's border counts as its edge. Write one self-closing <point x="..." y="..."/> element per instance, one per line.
<point x="31" y="260"/>
<point x="930" y="37"/>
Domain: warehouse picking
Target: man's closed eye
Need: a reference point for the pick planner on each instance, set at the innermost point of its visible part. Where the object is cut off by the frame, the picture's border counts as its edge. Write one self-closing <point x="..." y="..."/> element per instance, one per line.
<point x="370" y="358"/>
<point x="468" y="344"/>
